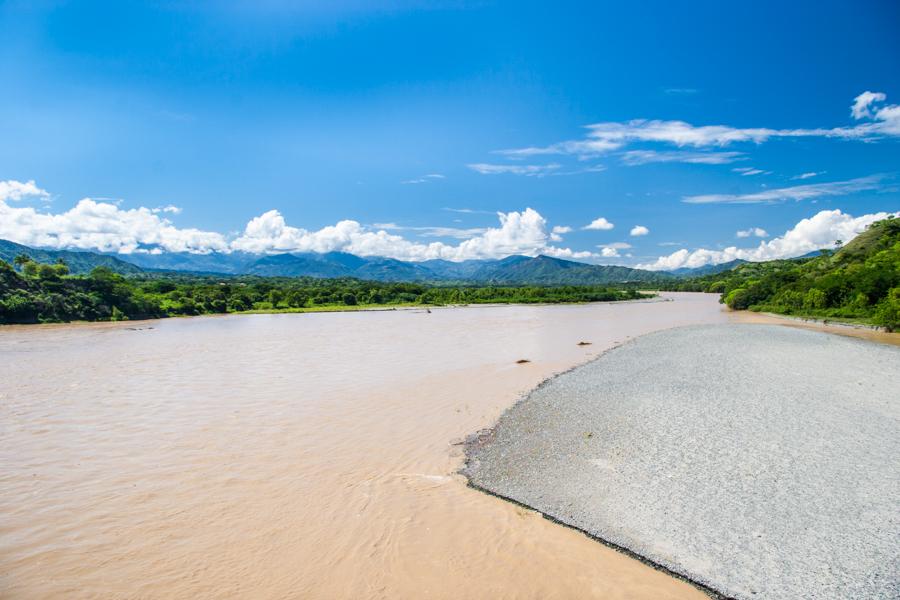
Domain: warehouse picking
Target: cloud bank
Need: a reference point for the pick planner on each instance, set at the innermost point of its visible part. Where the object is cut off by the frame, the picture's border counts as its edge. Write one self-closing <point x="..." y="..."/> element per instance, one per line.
<point x="817" y="232"/>
<point x="103" y="226"/>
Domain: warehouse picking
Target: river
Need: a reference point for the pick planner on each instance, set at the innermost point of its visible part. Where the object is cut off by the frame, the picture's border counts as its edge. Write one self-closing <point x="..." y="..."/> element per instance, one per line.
<point x="294" y="456"/>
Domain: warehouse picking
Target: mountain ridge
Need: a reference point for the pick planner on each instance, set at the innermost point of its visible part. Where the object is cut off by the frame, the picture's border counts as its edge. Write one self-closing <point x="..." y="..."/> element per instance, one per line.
<point x="514" y="269"/>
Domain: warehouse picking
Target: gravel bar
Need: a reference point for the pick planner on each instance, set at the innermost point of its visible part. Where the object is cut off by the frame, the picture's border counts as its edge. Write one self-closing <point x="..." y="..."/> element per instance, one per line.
<point x="758" y="461"/>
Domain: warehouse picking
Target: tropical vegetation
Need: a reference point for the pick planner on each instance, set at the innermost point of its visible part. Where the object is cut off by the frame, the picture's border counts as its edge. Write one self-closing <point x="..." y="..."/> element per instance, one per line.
<point x="33" y="292"/>
<point x="860" y="281"/>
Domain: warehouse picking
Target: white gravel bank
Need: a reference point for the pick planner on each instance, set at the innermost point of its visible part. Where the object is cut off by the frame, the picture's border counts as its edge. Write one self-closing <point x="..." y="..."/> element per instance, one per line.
<point x="761" y="461"/>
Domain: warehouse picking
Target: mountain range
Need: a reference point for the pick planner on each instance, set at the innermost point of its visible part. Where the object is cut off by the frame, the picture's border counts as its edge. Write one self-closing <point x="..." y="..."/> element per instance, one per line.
<point x="517" y="269"/>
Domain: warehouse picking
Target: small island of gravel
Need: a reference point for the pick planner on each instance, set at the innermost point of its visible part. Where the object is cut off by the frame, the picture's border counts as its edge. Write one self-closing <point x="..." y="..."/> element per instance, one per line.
<point x="759" y="461"/>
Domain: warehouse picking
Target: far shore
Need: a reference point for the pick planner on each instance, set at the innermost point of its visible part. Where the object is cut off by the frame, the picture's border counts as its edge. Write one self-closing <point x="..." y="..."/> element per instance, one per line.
<point x="336" y="308"/>
<point x="845" y="328"/>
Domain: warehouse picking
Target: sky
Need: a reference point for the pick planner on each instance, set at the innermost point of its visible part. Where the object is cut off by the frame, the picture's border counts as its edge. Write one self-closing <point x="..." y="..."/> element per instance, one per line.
<point x="652" y="134"/>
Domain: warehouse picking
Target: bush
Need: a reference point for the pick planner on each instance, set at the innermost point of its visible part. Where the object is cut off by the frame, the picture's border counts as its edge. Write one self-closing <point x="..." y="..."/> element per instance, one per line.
<point x="815" y="299"/>
<point x="887" y="313"/>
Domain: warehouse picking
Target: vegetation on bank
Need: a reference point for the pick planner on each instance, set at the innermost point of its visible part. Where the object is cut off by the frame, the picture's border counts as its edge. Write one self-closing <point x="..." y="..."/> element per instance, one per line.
<point x="43" y="293"/>
<point x="858" y="282"/>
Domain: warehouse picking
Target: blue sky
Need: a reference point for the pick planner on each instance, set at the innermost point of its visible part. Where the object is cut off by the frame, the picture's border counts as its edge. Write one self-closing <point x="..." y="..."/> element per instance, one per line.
<point x="418" y="122"/>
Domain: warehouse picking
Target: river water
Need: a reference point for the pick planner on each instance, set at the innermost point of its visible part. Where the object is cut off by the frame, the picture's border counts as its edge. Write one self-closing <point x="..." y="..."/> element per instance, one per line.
<point x="294" y="456"/>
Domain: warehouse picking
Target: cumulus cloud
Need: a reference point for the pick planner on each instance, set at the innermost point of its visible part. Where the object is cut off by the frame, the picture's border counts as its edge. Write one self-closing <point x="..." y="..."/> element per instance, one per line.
<point x="103" y="226"/>
<point x="753" y="231"/>
<point x="608" y="136"/>
<point x="797" y="192"/>
<point x="519" y="233"/>
<point x="639" y="230"/>
<point x="817" y="232"/>
<point x="558" y="231"/>
<point x="612" y="250"/>
<point x="862" y="103"/>
<point x="170" y="208"/>
<point x="634" y="158"/>
<point x="527" y="170"/>
<point x="599" y="223"/>
<point x="12" y="190"/>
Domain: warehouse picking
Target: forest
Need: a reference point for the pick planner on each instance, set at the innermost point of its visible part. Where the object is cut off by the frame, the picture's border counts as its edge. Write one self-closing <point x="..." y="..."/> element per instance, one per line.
<point x="858" y="282"/>
<point x="32" y="292"/>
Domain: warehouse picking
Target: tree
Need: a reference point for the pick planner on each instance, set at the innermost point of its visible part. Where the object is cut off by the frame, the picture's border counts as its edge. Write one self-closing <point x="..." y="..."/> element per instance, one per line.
<point x="815" y="299"/>
<point x="887" y="313"/>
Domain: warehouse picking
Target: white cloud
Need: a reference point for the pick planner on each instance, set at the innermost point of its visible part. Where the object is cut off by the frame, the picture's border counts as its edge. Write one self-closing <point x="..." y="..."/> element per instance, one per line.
<point x="527" y="170"/>
<point x="746" y="171"/>
<point x="519" y="233"/>
<point x="557" y="232"/>
<point x="169" y="208"/>
<point x="797" y="192"/>
<point x="105" y="227"/>
<point x="753" y="231"/>
<point x="612" y="250"/>
<point x="582" y="148"/>
<point x="808" y="175"/>
<point x="17" y="190"/>
<point x="608" y="136"/>
<point x="863" y="102"/>
<point x="469" y="211"/>
<point x="639" y="230"/>
<point x="817" y="232"/>
<point x="434" y="230"/>
<point x="423" y="179"/>
<point x="600" y="223"/>
<point x="634" y="158"/>
<point x="94" y="225"/>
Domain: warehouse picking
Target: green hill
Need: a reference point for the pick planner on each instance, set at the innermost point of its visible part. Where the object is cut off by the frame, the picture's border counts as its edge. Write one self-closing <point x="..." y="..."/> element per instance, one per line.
<point x="859" y="282"/>
<point x="78" y="262"/>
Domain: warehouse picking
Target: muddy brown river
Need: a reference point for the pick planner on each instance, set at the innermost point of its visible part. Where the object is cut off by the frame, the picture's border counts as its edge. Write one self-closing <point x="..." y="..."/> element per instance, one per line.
<point x="294" y="456"/>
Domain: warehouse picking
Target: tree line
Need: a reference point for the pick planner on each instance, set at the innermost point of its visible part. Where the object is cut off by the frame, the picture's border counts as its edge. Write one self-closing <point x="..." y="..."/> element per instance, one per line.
<point x="859" y="281"/>
<point x="32" y="292"/>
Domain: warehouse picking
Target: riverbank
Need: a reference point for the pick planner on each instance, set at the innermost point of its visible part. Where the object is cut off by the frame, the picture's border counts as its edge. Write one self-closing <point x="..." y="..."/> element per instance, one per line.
<point x="868" y="332"/>
<point x="371" y="308"/>
<point x="767" y="474"/>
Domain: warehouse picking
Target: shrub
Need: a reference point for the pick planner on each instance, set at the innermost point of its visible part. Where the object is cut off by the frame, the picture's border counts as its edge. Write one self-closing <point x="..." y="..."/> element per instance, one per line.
<point x="887" y="313"/>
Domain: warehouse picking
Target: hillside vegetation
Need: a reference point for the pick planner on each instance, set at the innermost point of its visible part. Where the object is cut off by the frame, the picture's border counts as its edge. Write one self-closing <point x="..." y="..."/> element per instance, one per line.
<point x="860" y="281"/>
<point x="77" y="262"/>
<point x="48" y="293"/>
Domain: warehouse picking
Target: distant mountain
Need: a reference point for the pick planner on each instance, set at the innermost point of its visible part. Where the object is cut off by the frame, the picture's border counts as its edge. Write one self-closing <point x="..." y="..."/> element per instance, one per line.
<point x="78" y="262"/>
<point x="707" y="269"/>
<point x="214" y="262"/>
<point x="546" y="270"/>
<point x="538" y="270"/>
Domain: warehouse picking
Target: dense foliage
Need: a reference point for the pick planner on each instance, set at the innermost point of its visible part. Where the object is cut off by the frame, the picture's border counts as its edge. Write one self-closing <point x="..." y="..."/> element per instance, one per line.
<point x="860" y="281"/>
<point x="48" y="293"/>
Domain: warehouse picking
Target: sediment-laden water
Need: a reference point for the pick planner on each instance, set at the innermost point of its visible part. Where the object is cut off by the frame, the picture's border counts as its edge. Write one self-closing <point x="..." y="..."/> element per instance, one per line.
<point x="293" y="456"/>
